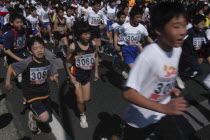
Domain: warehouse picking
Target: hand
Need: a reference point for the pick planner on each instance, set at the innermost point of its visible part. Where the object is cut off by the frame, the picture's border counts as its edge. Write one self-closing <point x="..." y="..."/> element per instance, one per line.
<point x="176" y="92"/>
<point x="101" y="27"/>
<point x="176" y="106"/>
<point x="8" y="87"/>
<point x="96" y="76"/>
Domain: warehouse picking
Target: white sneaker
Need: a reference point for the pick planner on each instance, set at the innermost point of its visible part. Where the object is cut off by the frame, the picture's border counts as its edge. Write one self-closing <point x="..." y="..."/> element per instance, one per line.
<point x="83" y="121"/>
<point x="19" y="77"/>
<point x="5" y="62"/>
<point x="180" y="83"/>
<point x="45" y="41"/>
<point x="51" y="40"/>
<point x="32" y="124"/>
<point x="125" y="75"/>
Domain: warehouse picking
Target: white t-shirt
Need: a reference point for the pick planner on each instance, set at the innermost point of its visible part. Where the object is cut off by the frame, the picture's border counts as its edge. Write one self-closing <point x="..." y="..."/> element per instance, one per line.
<point x="153" y="76"/>
<point x="44" y="14"/>
<point x="70" y="20"/>
<point x="127" y="19"/>
<point x="132" y="35"/>
<point x="115" y="28"/>
<point x="6" y="19"/>
<point x="109" y="12"/>
<point x="34" y="21"/>
<point x="95" y="19"/>
<point x="83" y="10"/>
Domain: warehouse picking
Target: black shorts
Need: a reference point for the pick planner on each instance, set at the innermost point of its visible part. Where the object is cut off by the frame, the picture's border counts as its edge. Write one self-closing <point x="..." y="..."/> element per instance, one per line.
<point x="59" y="36"/>
<point x="95" y="32"/>
<point x="41" y="105"/>
<point x="82" y="76"/>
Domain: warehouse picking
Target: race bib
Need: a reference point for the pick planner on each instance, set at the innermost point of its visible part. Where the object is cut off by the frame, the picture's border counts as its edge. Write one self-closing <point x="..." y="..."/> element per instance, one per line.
<point x="111" y="15"/>
<point x="197" y="42"/>
<point x="86" y="61"/>
<point x="33" y="24"/>
<point x="162" y="90"/>
<point x="133" y="39"/>
<point x="20" y="42"/>
<point x="39" y="75"/>
<point x="45" y="16"/>
<point x="95" y="20"/>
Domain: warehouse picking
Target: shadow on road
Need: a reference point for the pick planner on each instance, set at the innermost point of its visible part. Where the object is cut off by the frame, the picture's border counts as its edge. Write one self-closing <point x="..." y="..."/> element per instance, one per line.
<point x="5" y="120"/>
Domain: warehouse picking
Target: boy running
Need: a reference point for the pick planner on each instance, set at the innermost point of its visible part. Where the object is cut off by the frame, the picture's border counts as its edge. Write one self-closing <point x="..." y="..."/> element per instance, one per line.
<point x="152" y="79"/>
<point x="82" y="54"/>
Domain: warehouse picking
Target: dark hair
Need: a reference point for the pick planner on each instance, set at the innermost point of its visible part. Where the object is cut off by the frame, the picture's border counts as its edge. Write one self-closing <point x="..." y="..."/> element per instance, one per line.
<point x="7" y="2"/>
<point x="15" y="16"/>
<point x="136" y="11"/>
<point x="32" y="40"/>
<point x="81" y="27"/>
<point x="59" y="9"/>
<point x="207" y="12"/>
<point x="96" y="2"/>
<point x="11" y="10"/>
<point x="111" y="1"/>
<point x="120" y="13"/>
<point x="18" y="10"/>
<point x="31" y="9"/>
<point x="163" y="12"/>
<point x="198" y="18"/>
<point x="44" y="3"/>
<point x="70" y="7"/>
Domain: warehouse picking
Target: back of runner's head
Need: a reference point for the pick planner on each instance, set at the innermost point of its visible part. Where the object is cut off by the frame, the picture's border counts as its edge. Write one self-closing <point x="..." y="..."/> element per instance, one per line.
<point x="32" y="40"/>
<point x="19" y="10"/>
<point x="81" y="27"/>
<point x="163" y="12"/>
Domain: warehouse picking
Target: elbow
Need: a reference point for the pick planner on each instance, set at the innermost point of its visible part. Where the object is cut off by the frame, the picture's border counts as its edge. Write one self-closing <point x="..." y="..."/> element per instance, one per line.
<point x="126" y="95"/>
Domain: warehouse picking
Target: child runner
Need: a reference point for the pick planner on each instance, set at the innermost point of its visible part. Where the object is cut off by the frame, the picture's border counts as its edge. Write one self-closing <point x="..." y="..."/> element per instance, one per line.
<point x="86" y="8"/>
<point x="35" y="69"/>
<point x="33" y="18"/>
<point x="44" y="18"/>
<point x="151" y="80"/>
<point x="133" y="33"/>
<point x="60" y="31"/>
<point x="97" y="21"/>
<point x="83" y="56"/>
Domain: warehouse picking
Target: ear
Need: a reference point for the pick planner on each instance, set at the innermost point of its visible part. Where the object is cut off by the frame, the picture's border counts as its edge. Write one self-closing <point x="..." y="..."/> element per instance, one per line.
<point x="157" y="32"/>
<point x="11" y="23"/>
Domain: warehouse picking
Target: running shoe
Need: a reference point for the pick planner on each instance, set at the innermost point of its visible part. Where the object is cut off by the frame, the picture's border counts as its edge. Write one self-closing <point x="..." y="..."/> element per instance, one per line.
<point x="83" y="121"/>
<point x="32" y="123"/>
<point x="125" y="75"/>
<point x="180" y="83"/>
<point x="51" y="40"/>
<point x="45" y="41"/>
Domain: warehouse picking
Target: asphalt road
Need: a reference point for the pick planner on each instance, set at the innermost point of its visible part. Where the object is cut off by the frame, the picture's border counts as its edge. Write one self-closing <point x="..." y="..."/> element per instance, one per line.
<point x="106" y="101"/>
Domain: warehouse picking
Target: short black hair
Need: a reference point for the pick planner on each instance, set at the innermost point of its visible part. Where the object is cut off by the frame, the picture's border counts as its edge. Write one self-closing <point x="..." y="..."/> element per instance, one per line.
<point x="18" y="10"/>
<point x="59" y="9"/>
<point x="198" y="18"/>
<point x="44" y="3"/>
<point x="15" y="16"/>
<point x="81" y="27"/>
<point x="120" y="13"/>
<point x="32" y="8"/>
<point x="69" y="7"/>
<point x="207" y="12"/>
<point x="32" y="40"/>
<point x="136" y="11"/>
<point x="96" y="2"/>
<point x="163" y="12"/>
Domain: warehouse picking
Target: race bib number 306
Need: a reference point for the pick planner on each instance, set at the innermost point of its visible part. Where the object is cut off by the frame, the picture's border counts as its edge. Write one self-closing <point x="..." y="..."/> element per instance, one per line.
<point x="39" y="75"/>
<point x="86" y="61"/>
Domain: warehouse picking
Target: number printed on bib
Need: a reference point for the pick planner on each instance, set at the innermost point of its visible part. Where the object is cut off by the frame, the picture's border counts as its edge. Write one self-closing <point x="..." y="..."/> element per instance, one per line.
<point x="86" y="61"/>
<point x="95" y="21"/>
<point x="133" y="39"/>
<point x="39" y="75"/>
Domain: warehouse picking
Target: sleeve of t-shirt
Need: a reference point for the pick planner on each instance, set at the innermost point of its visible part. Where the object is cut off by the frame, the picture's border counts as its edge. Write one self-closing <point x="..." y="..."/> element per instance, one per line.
<point x="19" y="67"/>
<point x="120" y="30"/>
<point x="139" y="74"/>
<point x="144" y="31"/>
<point x="53" y="71"/>
<point x="8" y="40"/>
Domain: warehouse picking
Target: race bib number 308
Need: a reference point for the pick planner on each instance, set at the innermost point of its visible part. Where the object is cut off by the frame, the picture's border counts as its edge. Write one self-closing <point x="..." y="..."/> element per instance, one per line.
<point x="39" y="75"/>
<point x="86" y="61"/>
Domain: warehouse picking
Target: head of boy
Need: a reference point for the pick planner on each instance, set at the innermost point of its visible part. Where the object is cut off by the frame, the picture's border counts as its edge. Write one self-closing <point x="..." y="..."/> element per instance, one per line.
<point x="70" y="11"/>
<point x="112" y="3"/>
<point x="86" y="4"/>
<point x="207" y="13"/>
<point x="60" y="11"/>
<point x="83" y="31"/>
<point x="136" y="15"/>
<point x="19" y="11"/>
<point x="45" y="4"/>
<point x="121" y="17"/>
<point x="7" y="4"/>
<point x="32" y="11"/>
<point x="169" y="23"/>
<point x="199" y="22"/>
<point x="96" y="6"/>
<point x="36" y="47"/>
<point x="16" y="20"/>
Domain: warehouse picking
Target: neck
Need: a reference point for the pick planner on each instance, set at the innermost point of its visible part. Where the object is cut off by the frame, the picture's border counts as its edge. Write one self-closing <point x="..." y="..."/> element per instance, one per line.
<point x="38" y="60"/>
<point x="134" y="24"/>
<point x="164" y="46"/>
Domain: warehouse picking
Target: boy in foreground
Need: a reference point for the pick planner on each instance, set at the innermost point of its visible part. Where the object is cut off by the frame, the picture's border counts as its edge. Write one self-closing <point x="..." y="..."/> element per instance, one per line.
<point x="152" y="79"/>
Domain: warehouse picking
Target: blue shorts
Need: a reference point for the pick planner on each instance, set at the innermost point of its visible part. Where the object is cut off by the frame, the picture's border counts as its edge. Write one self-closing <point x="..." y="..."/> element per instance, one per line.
<point x="34" y="32"/>
<point x="130" y="53"/>
<point x="45" y="24"/>
<point x="108" y="25"/>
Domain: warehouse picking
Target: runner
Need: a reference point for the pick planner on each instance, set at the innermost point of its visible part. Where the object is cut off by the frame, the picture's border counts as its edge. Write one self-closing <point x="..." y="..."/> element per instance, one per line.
<point x="83" y="56"/>
<point x="36" y="69"/>
<point x="151" y="81"/>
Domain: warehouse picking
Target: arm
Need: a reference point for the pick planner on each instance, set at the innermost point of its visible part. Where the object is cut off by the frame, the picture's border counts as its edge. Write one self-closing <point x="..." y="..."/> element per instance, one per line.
<point x="8" y="52"/>
<point x="174" y="107"/>
<point x="149" y="39"/>
<point x="8" y="85"/>
<point x="96" y="64"/>
<point x="115" y="41"/>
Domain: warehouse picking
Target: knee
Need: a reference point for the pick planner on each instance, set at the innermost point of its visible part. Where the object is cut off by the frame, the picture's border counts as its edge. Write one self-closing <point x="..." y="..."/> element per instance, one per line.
<point x="44" y="117"/>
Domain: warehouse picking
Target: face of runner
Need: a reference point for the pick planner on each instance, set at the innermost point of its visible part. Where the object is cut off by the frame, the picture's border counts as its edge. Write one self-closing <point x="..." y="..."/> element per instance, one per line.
<point x="37" y="50"/>
<point x="136" y="19"/>
<point x="200" y="26"/>
<point x="173" y="33"/>
<point x="126" y="10"/>
<point x="18" y="24"/>
<point x="112" y="4"/>
<point x="85" y="37"/>
<point x="33" y="13"/>
<point x="60" y="13"/>
<point x="122" y="19"/>
<point x="69" y="12"/>
<point x="96" y="7"/>
<point x="86" y="5"/>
